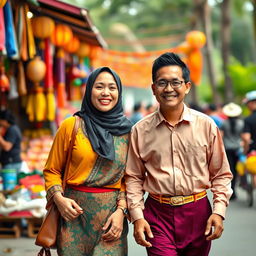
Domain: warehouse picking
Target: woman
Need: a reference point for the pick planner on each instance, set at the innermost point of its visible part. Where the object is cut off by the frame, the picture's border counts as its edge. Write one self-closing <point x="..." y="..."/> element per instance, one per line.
<point x="10" y="141"/>
<point x="231" y="129"/>
<point x="93" y="205"/>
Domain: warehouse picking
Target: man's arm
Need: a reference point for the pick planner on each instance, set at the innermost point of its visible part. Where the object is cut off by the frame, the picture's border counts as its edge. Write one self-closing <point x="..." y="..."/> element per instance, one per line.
<point x="134" y="178"/>
<point x="5" y="145"/>
<point x="246" y="138"/>
<point x="220" y="177"/>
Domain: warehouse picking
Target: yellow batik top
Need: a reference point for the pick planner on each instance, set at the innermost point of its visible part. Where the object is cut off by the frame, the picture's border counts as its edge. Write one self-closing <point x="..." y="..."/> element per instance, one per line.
<point x="86" y="166"/>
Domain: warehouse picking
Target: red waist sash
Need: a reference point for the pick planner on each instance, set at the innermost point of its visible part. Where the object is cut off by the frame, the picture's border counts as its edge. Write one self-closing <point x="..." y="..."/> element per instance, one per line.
<point x="91" y="189"/>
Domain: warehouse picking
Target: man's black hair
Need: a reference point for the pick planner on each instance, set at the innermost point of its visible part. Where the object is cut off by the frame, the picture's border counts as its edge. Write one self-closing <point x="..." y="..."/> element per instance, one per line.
<point x="170" y="59"/>
<point x="7" y="116"/>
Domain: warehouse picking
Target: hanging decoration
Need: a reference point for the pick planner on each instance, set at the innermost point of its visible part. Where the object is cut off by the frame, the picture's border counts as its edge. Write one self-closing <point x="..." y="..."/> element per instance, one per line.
<point x="43" y="28"/>
<point x="61" y="36"/>
<point x="10" y="35"/>
<point x="83" y="53"/>
<point x="30" y="37"/>
<point x="36" y="105"/>
<point x="134" y="68"/>
<point x="21" y="80"/>
<point x="50" y="97"/>
<point x="2" y="29"/>
<point x="2" y="3"/>
<point x="72" y="46"/>
<point x="196" y="40"/>
<point x="4" y="85"/>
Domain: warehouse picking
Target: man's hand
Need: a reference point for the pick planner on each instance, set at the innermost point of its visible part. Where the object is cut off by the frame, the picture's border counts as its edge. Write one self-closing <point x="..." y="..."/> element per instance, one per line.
<point x="140" y="227"/>
<point x="215" y="221"/>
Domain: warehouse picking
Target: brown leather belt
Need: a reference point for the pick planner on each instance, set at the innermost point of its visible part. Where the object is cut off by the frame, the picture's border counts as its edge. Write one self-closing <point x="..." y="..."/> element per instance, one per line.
<point x="178" y="200"/>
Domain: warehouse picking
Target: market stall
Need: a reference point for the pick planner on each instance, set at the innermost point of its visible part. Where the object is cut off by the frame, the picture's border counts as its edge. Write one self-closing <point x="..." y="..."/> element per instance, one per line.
<point x="46" y="48"/>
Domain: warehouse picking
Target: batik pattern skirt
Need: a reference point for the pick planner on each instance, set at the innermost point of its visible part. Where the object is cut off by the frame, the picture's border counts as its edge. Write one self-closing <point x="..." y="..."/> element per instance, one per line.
<point x="82" y="236"/>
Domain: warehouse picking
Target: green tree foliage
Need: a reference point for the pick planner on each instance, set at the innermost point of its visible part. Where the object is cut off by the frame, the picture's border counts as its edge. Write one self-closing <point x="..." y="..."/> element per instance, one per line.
<point x="243" y="78"/>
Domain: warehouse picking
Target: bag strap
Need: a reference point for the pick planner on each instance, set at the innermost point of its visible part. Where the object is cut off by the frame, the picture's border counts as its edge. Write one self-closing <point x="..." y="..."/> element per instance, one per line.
<point x="72" y="141"/>
<point x="44" y="251"/>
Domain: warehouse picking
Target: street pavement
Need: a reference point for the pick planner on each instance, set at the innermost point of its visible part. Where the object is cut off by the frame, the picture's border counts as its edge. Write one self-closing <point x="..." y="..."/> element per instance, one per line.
<point x="238" y="239"/>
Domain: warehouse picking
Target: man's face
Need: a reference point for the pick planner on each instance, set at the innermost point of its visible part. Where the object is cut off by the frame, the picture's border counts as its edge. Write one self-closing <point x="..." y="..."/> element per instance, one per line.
<point x="168" y="97"/>
<point x="251" y="105"/>
<point x="4" y="124"/>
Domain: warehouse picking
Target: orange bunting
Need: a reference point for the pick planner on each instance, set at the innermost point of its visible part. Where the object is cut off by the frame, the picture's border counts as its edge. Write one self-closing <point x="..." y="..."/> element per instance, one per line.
<point x="135" y="68"/>
<point x="195" y="64"/>
<point x="196" y="39"/>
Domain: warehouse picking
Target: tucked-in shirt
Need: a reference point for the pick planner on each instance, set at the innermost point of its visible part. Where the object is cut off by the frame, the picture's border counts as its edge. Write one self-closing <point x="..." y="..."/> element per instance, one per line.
<point x="182" y="160"/>
<point x="83" y="161"/>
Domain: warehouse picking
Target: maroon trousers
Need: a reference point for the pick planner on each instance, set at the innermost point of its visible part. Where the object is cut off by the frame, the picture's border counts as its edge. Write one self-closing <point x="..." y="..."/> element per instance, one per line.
<point x="178" y="230"/>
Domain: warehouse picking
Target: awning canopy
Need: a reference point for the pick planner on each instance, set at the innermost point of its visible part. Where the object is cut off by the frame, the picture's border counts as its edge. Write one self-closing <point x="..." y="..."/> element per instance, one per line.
<point x="76" y="18"/>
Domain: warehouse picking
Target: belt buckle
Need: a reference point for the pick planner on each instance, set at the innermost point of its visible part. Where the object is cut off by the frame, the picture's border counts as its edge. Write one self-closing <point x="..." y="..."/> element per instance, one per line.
<point x="177" y="200"/>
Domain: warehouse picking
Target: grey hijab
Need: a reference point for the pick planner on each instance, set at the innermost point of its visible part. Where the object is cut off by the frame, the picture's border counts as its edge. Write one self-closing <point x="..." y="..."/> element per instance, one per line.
<point x="101" y="126"/>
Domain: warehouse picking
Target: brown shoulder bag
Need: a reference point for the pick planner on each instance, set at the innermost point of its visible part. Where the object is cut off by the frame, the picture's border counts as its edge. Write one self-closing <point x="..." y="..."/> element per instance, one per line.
<point x="47" y="234"/>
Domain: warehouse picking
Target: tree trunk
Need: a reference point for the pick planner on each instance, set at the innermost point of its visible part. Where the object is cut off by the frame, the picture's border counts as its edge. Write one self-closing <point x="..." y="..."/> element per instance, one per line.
<point x="203" y="11"/>
<point x="225" y="48"/>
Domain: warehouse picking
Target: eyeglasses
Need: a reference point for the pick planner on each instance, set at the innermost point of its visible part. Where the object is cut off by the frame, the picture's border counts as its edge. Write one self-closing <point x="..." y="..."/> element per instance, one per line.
<point x="175" y="84"/>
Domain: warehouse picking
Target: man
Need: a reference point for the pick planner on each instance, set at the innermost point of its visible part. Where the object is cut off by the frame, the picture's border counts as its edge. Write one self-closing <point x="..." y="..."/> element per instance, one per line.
<point x="10" y="141"/>
<point x="175" y="155"/>
<point x="138" y="112"/>
<point x="249" y="132"/>
<point x="249" y="141"/>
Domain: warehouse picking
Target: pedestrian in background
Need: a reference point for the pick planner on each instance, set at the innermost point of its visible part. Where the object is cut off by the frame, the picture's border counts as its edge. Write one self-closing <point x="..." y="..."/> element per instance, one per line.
<point x="231" y="129"/>
<point x="151" y="108"/>
<point x="249" y="131"/>
<point x="175" y="155"/>
<point x="93" y="206"/>
<point x="213" y="112"/>
<point x="138" y="112"/>
<point x="10" y="141"/>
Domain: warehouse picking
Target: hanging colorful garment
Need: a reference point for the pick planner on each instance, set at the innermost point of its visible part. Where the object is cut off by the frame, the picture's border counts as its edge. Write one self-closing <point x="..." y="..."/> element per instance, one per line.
<point x="11" y="41"/>
<point x="2" y="29"/>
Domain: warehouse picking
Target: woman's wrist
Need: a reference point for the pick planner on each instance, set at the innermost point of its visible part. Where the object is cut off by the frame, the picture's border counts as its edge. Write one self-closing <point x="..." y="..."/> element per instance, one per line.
<point x="122" y="203"/>
<point x="56" y="196"/>
<point x="123" y="209"/>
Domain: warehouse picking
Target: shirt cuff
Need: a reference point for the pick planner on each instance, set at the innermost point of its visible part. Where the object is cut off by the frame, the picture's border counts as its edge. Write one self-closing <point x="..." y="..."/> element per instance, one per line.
<point x="136" y="214"/>
<point x="51" y="191"/>
<point x="220" y="209"/>
<point x="121" y="196"/>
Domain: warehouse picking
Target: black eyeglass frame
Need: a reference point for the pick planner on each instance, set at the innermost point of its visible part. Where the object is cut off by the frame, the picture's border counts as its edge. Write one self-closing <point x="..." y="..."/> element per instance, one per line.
<point x="167" y="82"/>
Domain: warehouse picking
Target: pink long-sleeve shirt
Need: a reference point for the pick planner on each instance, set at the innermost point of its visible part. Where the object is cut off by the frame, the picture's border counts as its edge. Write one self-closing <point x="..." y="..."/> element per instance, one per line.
<point x="181" y="160"/>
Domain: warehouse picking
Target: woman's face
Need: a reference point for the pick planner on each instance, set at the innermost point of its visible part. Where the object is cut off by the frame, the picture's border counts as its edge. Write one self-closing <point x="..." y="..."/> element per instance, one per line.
<point x="104" y="92"/>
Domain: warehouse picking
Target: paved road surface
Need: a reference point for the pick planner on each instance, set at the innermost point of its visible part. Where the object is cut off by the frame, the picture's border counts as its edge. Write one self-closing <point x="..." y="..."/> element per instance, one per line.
<point x="239" y="237"/>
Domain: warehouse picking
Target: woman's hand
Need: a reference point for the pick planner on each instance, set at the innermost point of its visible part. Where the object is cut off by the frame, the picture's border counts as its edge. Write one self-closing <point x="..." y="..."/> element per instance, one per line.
<point x="67" y="207"/>
<point x="115" y="226"/>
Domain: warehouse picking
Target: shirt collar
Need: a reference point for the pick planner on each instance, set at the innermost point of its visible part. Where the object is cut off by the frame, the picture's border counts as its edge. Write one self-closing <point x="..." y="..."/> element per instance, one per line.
<point x="186" y="116"/>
